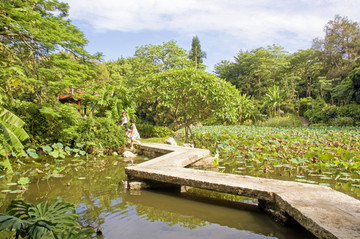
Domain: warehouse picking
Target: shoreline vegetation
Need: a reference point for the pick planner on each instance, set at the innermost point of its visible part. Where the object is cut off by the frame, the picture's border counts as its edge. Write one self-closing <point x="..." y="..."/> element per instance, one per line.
<point x="58" y="100"/>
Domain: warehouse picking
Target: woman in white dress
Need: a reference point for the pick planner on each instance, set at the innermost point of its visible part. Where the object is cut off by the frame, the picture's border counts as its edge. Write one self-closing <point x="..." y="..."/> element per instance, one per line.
<point x="134" y="134"/>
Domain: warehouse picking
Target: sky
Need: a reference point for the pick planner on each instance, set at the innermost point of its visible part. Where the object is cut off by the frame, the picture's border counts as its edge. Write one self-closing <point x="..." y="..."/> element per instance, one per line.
<point x="224" y="27"/>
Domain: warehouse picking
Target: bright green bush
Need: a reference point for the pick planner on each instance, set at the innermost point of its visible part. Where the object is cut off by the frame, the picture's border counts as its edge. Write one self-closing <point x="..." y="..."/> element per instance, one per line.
<point x="100" y="135"/>
<point x="47" y="124"/>
<point x="283" y="121"/>
<point x="305" y="104"/>
<point x="149" y="131"/>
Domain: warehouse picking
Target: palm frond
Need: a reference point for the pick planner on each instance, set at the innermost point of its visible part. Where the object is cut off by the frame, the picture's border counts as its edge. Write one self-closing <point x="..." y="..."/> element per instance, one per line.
<point x="11" y="129"/>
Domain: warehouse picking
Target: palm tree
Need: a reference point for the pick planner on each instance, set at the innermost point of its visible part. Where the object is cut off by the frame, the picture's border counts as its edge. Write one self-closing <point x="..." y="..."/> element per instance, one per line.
<point x="273" y="100"/>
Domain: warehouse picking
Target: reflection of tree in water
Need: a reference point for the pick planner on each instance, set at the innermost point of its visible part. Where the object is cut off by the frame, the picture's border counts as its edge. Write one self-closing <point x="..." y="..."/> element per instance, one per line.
<point x="170" y="218"/>
<point x="93" y="195"/>
<point x="96" y="194"/>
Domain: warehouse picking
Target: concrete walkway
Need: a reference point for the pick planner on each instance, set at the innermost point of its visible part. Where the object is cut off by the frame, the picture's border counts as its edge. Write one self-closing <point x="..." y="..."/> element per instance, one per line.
<point x="321" y="210"/>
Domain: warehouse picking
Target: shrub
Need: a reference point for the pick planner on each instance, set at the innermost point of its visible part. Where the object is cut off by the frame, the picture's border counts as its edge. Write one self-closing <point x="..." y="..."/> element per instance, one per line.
<point x="335" y="115"/>
<point x="148" y="131"/>
<point x="330" y="112"/>
<point x="342" y="121"/>
<point x="352" y="110"/>
<point x="305" y="104"/>
<point x="47" y="124"/>
<point x="100" y="134"/>
<point x="283" y="121"/>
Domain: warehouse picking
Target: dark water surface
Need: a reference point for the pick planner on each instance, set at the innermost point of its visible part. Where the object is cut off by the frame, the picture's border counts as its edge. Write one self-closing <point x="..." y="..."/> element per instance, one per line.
<point x="96" y="188"/>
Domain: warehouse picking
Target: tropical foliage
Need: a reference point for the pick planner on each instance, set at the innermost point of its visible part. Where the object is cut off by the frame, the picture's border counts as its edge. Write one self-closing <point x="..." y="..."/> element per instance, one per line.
<point x="59" y="100"/>
<point x="181" y="97"/>
<point x="49" y="219"/>
<point x="11" y="132"/>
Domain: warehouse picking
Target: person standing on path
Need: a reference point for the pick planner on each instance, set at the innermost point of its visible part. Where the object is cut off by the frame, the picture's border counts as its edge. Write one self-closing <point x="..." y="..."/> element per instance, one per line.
<point x="124" y="120"/>
<point x="134" y="134"/>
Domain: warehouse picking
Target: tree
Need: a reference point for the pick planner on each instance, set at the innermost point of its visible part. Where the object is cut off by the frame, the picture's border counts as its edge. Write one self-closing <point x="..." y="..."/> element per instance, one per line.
<point x="273" y="100"/>
<point x="339" y="51"/>
<point x="185" y="96"/>
<point x="354" y="77"/>
<point x="228" y="71"/>
<point x="112" y="100"/>
<point x="36" y="36"/>
<point x="305" y="67"/>
<point x="247" y="108"/>
<point x="158" y="58"/>
<point x="196" y="54"/>
<point x="255" y="71"/>
<point x="42" y="56"/>
<point x="42" y="30"/>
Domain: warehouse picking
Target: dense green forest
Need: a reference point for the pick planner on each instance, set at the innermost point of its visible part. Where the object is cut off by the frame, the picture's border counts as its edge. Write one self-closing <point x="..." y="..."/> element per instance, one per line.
<point x="53" y="91"/>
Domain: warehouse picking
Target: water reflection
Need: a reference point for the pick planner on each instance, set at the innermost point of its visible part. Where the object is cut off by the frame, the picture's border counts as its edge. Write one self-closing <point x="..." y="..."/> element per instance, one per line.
<point x="97" y="190"/>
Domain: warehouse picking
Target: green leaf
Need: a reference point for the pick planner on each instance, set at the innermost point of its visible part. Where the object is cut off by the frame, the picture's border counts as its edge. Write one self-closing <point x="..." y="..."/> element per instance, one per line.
<point x="32" y="153"/>
<point x="47" y="149"/>
<point x="23" y="181"/>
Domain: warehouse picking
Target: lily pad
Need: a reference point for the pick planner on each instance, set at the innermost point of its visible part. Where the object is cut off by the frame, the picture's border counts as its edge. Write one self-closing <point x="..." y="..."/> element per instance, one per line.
<point x="24" y="181"/>
<point x="344" y="179"/>
<point x="16" y="191"/>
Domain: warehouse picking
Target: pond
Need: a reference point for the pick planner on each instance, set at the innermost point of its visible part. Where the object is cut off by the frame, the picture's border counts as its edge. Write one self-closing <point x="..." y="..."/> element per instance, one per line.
<point x="328" y="156"/>
<point x="95" y="187"/>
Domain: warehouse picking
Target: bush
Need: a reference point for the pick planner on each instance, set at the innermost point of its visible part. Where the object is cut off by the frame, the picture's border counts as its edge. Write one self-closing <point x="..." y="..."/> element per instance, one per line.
<point x="47" y="124"/>
<point x="283" y="121"/>
<point x="149" y="131"/>
<point x="334" y="115"/>
<point x="100" y="135"/>
<point x="352" y="110"/>
<point x="305" y="104"/>
<point x="342" y="121"/>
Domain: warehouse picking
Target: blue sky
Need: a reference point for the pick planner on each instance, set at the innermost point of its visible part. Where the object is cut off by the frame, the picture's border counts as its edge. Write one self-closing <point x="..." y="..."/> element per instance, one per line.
<point x="224" y="27"/>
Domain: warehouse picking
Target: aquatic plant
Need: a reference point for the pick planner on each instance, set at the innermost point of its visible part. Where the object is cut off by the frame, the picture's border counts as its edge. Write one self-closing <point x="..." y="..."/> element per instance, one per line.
<point x="324" y="155"/>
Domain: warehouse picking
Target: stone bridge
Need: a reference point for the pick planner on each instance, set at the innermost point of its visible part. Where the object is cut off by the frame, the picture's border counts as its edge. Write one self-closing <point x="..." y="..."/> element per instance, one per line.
<point x="321" y="210"/>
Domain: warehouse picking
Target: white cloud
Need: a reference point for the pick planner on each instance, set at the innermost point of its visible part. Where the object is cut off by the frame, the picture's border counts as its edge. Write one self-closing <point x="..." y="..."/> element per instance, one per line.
<point x="254" y="23"/>
<point x="250" y="19"/>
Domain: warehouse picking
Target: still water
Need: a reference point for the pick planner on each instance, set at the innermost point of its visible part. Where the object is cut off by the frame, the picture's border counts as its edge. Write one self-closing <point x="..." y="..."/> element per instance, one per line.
<point x="95" y="187"/>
